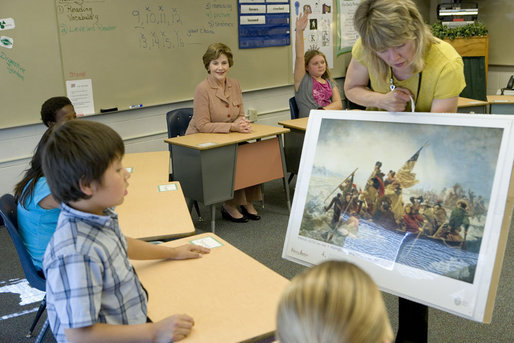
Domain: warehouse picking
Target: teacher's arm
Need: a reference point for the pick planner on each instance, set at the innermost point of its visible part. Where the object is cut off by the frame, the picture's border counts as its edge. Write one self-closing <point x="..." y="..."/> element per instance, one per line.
<point x="357" y="91"/>
<point x="445" y="105"/>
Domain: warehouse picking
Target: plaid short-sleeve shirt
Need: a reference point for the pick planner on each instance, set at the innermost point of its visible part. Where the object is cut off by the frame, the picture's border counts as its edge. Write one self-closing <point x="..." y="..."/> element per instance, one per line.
<point x="89" y="278"/>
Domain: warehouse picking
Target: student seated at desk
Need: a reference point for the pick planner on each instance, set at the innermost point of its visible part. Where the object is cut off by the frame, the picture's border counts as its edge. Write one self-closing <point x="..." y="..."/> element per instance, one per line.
<point x="334" y="301"/>
<point x="92" y="291"/>
<point x="218" y="107"/>
<point x="313" y="86"/>
<point x="37" y="209"/>
<point x="57" y="109"/>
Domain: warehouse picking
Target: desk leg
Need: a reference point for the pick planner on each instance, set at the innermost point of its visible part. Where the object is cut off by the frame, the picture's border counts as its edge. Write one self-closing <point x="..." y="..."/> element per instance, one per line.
<point x="213" y="218"/>
<point x="284" y="180"/>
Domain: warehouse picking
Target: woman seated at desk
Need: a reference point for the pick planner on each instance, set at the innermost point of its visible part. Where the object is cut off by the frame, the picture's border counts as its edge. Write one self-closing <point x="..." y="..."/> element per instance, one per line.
<point x="313" y="86"/>
<point x="218" y="107"/>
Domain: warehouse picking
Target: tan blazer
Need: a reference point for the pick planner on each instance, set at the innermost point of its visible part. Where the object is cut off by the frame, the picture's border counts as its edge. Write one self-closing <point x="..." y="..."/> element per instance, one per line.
<point x="215" y="110"/>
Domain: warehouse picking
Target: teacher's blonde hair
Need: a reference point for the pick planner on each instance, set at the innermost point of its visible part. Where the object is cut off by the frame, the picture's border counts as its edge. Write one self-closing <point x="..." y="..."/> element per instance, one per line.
<point x="384" y="24"/>
<point x="333" y="302"/>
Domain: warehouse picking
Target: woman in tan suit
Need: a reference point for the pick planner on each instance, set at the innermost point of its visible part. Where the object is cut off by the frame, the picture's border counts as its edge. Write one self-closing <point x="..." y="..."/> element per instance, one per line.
<point x="218" y="107"/>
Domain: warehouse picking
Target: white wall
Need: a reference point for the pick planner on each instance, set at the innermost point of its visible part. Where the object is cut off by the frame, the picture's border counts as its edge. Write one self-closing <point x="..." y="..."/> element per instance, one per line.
<point x="497" y="78"/>
<point x="142" y="130"/>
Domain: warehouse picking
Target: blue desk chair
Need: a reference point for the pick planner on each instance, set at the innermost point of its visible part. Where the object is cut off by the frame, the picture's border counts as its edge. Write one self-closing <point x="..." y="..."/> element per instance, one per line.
<point x="293" y="108"/>
<point x="177" y="121"/>
<point x="35" y="278"/>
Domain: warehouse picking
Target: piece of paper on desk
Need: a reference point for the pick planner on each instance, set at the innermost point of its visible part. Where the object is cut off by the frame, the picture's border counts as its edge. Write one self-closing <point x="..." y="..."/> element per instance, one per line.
<point x="207" y="242"/>
<point x="206" y="144"/>
<point x="167" y="188"/>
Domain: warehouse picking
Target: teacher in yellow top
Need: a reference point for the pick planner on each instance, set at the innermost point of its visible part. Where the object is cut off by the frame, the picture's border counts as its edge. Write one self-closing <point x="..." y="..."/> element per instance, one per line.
<point x="218" y="107"/>
<point x="397" y="62"/>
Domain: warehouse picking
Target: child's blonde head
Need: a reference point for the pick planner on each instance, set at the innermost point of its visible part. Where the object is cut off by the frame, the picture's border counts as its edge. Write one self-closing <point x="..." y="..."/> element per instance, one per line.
<point x="333" y="302"/>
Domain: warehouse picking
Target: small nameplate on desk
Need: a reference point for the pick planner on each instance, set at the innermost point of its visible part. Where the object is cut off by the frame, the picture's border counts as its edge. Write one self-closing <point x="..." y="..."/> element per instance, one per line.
<point x="130" y="169"/>
<point x="167" y="188"/>
<point x="501" y="100"/>
<point x="475" y="102"/>
<point x="207" y="242"/>
<point x="206" y="144"/>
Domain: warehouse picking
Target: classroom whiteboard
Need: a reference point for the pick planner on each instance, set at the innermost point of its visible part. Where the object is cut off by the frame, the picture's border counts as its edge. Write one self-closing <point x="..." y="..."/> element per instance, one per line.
<point x="134" y="52"/>
<point x="150" y="52"/>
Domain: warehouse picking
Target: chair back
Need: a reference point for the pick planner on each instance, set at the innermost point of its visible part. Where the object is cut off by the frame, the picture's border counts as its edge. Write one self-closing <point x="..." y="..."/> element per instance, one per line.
<point x="178" y="121"/>
<point x="293" y="108"/>
<point x="10" y="217"/>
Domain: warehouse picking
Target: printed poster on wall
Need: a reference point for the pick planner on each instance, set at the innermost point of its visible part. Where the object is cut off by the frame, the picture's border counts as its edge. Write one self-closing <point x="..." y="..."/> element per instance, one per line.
<point x="318" y="33"/>
<point x="416" y="200"/>
<point x="346" y="33"/>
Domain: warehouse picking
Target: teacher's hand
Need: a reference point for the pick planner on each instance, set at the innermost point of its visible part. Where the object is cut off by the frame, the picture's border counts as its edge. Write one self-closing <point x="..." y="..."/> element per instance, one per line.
<point x="396" y="101"/>
<point x="242" y="125"/>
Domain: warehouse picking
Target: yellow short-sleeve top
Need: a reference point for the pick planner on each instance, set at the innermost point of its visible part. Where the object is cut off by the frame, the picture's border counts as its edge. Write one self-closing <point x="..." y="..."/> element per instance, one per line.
<point x="441" y="78"/>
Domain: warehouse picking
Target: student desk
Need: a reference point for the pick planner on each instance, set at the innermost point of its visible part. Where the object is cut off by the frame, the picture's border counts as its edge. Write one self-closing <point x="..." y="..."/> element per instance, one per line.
<point x="146" y="212"/>
<point x="210" y="166"/>
<point x="293" y="142"/>
<point x="501" y="104"/>
<point x="466" y="105"/>
<point x="231" y="296"/>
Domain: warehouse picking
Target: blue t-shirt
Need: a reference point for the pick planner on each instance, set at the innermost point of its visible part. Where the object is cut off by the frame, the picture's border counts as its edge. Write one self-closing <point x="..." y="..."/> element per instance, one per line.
<point x="36" y="224"/>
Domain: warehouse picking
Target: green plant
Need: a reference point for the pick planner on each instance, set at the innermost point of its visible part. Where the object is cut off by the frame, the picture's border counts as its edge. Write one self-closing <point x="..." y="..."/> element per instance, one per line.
<point x="477" y="29"/>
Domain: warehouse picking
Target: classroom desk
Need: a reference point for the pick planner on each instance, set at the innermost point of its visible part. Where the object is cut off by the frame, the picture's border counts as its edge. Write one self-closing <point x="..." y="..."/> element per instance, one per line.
<point x="501" y="104"/>
<point x="146" y="212"/>
<point x="466" y="105"/>
<point x="231" y="296"/>
<point x="210" y="166"/>
<point x="293" y="142"/>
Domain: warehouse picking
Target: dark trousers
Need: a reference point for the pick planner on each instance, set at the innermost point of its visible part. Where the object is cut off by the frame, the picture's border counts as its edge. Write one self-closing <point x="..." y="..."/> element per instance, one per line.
<point x="413" y="322"/>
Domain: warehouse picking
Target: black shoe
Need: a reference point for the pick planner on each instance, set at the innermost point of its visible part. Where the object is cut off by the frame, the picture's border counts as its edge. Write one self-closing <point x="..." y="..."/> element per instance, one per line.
<point x="245" y="213"/>
<point x="227" y="216"/>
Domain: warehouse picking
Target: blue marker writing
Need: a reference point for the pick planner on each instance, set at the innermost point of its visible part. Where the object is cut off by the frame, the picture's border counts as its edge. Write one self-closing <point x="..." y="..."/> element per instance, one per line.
<point x="135" y="106"/>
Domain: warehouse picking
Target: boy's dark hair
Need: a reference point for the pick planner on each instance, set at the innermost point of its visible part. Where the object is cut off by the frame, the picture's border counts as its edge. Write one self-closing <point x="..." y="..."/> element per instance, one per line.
<point x="78" y="151"/>
<point x="50" y="108"/>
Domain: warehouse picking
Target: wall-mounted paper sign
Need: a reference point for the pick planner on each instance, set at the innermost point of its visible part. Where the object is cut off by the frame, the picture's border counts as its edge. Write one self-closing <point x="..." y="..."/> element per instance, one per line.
<point x="6" y="24"/>
<point x="6" y="42"/>
<point x="419" y="201"/>
<point x="80" y="93"/>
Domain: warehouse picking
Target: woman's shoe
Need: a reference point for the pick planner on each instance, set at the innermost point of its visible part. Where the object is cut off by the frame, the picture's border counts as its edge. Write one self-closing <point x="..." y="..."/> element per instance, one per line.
<point x="227" y="216"/>
<point x="248" y="215"/>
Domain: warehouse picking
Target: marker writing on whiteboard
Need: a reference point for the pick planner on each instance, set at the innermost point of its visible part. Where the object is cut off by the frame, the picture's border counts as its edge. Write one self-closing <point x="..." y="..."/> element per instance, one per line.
<point x="135" y="106"/>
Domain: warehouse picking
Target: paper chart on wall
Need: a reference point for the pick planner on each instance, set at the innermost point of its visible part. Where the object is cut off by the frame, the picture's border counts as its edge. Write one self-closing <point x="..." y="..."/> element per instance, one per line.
<point x="318" y="33"/>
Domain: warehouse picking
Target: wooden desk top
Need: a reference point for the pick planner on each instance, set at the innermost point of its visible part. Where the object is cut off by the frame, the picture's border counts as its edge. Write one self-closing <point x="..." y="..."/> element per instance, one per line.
<point x="231" y="296"/>
<point x="297" y="124"/>
<point x="466" y="102"/>
<point x="205" y="141"/>
<point x="500" y="99"/>
<point x="147" y="213"/>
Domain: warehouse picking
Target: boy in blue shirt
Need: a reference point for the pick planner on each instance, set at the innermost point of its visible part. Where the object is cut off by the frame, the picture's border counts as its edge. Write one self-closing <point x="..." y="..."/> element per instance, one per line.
<point x="92" y="291"/>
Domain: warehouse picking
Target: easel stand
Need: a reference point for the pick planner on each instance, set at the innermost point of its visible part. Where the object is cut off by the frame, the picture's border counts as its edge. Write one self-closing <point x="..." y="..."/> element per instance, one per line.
<point x="413" y="322"/>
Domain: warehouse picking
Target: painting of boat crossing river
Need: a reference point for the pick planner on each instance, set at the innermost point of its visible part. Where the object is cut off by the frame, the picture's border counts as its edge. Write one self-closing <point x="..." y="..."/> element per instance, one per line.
<point x="400" y="195"/>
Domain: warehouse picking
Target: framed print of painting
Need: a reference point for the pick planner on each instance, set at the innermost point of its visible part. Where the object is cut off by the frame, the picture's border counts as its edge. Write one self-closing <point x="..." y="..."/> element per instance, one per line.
<point x="417" y="200"/>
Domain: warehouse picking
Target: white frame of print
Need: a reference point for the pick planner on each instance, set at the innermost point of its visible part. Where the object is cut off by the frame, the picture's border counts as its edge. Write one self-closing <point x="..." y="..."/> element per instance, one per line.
<point x="474" y="300"/>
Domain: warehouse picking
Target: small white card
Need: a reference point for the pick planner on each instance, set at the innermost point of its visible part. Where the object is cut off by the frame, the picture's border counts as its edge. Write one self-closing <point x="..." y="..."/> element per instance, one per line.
<point x="6" y="24"/>
<point x="130" y="169"/>
<point x="207" y="242"/>
<point x="206" y="144"/>
<point x="167" y="188"/>
<point x="6" y="42"/>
